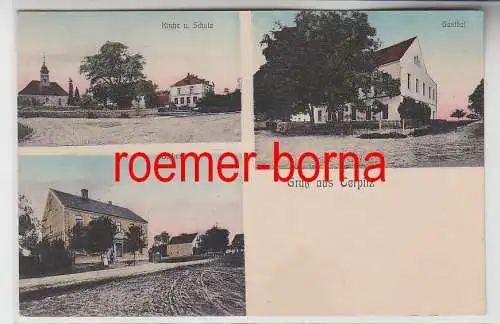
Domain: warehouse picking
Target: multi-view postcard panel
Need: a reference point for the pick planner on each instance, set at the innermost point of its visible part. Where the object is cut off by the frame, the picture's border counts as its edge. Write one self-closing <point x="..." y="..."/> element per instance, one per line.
<point x="128" y="77"/>
<point x="406" y="84"/>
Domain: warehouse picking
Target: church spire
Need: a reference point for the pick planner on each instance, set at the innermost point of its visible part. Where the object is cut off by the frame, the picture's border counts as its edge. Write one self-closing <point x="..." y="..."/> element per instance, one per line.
<point x="44" y="74"/>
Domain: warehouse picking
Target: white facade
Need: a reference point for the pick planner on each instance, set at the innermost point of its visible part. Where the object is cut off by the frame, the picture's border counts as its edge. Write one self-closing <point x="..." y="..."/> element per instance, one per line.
<point x="188" y="95"/>
<point x="415" y="81"/>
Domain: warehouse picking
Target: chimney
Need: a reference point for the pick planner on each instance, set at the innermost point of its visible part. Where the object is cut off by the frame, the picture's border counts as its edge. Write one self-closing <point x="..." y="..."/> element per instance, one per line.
<point x="85" y="194"/>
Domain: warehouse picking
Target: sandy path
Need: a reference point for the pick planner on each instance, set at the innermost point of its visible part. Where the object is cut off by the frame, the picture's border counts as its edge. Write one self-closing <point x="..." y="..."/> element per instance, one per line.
<point x="164" y="129"/>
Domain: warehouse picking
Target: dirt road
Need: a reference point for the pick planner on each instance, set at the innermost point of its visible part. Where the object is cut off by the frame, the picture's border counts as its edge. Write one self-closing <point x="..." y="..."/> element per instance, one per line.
<point x="83" y="131"/>
<point x="201" y="290"/>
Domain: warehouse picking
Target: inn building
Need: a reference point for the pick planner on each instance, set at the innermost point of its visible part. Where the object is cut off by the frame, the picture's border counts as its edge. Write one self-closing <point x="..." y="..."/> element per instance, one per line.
<point x="64" y="210"/>
<point x="403" y="61"/>
<point x="189" y="90"/>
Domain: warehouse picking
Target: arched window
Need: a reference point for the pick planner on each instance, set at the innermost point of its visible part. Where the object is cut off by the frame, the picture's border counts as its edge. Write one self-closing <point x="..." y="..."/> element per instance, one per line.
<point x="79" y="220"/>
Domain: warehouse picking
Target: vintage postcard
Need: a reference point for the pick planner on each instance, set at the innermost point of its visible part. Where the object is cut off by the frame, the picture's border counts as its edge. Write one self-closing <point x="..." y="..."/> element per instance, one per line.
<point x="408" y="84"/>
<point x="128" y="77"/>
<point x="91" y="246"/>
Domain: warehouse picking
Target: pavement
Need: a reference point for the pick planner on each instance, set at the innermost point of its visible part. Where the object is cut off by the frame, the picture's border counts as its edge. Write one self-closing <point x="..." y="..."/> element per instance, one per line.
<point x="61" y="281"/>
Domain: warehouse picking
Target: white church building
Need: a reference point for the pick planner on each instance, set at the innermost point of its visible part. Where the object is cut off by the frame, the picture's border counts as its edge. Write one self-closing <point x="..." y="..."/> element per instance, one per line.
<point x="403" y="61"/>
<point x="189" y="90"/>
<point x="43" y="92"/>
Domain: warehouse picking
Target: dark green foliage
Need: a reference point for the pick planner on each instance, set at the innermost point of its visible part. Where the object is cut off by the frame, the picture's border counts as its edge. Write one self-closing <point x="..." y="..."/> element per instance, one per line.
<point x="148" y="90"/>
<point x="215" y="239"/>
<point x="476" y="99"/>
<point x="410" y="109"/>
<point x="23" y="131"/>
<point x="71" y="99"/>
<point x="327" y="58"/>
<point x="76" y="98"/>
<point x="458" y="113"/>
<point x="28" y="225"/>
<point x="136" y="239"/>
<point x="78" y="238"/>
<point x="100" y="233"/>
<point x="113" y="73"/>
<point x="221" y="102"/>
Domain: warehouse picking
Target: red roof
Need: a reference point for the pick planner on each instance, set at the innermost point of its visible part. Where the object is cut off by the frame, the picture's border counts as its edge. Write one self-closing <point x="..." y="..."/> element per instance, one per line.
<point x="190" y="79"/>
<point x="34" y="88"/>
<point x="392" y="53"/>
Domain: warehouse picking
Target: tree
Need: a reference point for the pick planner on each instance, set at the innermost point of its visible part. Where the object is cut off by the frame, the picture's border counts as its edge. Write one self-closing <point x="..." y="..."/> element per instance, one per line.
<point x="410" y="109"/>
<point x="76" y="98"/>
<point x="29" y="226"/>
<point x="71" y="100"/>
<point x="327" y="58"/>
<point x="100" y="234"/>
<point x="135" y="239"/>
<point x="113" y="73"/>
<point x="476" y="99"/>
<point x="78" y="237"/>
<point x="458" y="113"/>
<point x="148" y="90"/>
<point x="215" y="239"/>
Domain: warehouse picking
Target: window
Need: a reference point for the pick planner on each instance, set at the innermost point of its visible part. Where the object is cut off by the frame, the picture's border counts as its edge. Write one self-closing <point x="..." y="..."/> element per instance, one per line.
<point x="59" y="101"/>
<point x="195" y="99"/>
<point x="429" y="92"/>
<point x="176" y="101"/>
<point x="178" y="91"/>
<point x="191" y="89"/>
<point x="79" y="220"/>
<point x="182" y="100"/>
<point x="423" y="88"/>
<point x="416" y="60"/>
<point x="409" y="81"/>
<point x="417" y="83"/>
<point x="188" y="100"/>
<point x="118" y="227"/>
<point x="385" y="112"/>
<point x="353" y="113"/>
<point x="319" y="115"/>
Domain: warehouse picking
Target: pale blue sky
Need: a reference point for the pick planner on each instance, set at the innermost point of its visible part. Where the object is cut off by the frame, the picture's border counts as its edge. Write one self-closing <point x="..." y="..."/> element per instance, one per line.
<point x="453" y="56"/>
<point x="176" y="207"/>
<point x="66" y="37"/>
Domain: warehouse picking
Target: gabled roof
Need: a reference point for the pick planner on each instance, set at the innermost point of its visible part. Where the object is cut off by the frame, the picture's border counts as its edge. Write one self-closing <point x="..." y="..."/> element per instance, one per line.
<point x="34" y="88"/>
<point x="238" y="240"/>
<point x="94" y="206"/>
<point x="183" y="238"/>
<point x="392" y="53"/>
<point x="190" y="79"/>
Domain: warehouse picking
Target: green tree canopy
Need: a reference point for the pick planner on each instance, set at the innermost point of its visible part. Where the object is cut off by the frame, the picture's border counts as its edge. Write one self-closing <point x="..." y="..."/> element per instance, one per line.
<point x="410" y="109"/>
<point x="136" y="239"/>
<point x="215" y="239"/>
<point x="458" y="113"/>
<point x="29" y="226"/>
<point x="476" y="99"/>
<point x="100" y="234"/>
<point x="113" y="73"/>
<point x="327" y="58"/>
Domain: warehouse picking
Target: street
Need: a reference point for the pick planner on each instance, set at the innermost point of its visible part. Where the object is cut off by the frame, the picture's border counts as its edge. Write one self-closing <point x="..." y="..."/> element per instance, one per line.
<point x="199" y="290"/>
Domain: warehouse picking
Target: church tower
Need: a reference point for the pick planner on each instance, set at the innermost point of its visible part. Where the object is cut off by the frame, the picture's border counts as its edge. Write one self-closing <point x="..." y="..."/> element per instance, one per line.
<point x="44" y="74"/>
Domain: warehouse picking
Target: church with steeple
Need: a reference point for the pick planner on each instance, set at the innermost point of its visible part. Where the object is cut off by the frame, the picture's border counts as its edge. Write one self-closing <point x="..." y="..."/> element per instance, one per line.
<point x="43" y="92"/>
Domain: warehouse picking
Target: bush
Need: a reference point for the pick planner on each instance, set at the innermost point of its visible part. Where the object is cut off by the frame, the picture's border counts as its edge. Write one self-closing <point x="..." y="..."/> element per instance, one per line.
<point x="23" y="131"/>
<point x="91" y="115"/>
<point x="50" y="257"/>
<point x="124" y="115"/>
<point x="410" y="109"/>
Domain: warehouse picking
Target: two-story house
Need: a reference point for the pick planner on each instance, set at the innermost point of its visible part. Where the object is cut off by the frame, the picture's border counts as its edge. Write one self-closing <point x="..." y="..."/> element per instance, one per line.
<point x="63" y="211"/>
<point x="403" y="61"/>
<point x="188" y="91"/>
